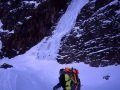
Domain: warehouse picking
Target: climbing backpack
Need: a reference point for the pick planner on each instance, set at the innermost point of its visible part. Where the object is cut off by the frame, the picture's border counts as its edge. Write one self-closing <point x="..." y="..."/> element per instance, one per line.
<point x="71" y="78"/>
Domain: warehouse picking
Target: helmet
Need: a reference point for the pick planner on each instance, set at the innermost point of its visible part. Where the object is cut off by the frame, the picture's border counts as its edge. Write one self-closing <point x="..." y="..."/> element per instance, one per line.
<point x="61" y="71"/>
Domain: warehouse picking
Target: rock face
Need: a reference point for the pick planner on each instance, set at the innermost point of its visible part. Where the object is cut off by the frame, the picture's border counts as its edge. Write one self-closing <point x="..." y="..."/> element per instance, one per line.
<point x="25" y="23"/>
<point x="95" y="39"/>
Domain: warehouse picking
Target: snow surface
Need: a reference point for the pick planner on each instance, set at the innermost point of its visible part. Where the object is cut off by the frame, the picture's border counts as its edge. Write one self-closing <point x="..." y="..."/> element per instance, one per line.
<point x="118" y="11"/>
<point x="32" y="2"/>
<point x="33" y="72"/>
<point x="0" y="25"/>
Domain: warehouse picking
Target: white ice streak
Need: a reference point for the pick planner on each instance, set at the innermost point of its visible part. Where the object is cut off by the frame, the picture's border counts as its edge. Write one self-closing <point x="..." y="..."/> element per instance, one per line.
<point x="32" y="2"/>
<point x="48" y="48"/>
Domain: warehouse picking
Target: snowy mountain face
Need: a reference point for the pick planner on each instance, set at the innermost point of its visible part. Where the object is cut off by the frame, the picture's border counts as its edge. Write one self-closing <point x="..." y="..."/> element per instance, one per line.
<point x="95" y="39"/>
<point x="87" y="43"/>
<point x="26" y="22"/>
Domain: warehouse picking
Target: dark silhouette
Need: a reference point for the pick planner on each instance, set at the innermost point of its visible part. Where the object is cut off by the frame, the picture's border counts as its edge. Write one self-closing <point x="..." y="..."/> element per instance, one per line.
<point x="106" y="77"/>
<point x="5" y="66"/>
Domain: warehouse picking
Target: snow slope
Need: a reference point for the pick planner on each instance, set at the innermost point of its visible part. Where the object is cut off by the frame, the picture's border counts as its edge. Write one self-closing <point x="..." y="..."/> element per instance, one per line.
<point x="30" y="74"/>
<point x="37" y="69"/>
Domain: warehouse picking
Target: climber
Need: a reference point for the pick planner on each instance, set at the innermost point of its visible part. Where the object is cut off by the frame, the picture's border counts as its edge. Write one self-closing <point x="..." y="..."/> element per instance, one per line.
<point x="68" y="79"/>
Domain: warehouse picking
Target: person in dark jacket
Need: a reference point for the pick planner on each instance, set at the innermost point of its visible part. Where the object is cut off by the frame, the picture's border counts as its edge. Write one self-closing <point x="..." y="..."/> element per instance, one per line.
<point x="61" y="81"/>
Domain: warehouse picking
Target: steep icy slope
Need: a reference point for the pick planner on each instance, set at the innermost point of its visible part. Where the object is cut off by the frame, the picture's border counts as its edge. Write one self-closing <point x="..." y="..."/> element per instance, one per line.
<point x="66" y="23"/>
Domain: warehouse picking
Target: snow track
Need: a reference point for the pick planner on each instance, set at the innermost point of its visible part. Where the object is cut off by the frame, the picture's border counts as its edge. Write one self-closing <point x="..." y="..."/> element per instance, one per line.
<point x="6" y="82"/>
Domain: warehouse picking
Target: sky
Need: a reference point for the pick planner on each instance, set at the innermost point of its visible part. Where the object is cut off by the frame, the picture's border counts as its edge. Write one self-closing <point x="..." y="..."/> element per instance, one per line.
<point x="38" y="69"/>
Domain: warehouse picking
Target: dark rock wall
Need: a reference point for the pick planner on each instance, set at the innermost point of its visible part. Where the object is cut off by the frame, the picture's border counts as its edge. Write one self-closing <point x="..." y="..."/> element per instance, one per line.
<point x="101" y="3"/>
<point x="96" y="40"/>
<point x="29" y="23"/>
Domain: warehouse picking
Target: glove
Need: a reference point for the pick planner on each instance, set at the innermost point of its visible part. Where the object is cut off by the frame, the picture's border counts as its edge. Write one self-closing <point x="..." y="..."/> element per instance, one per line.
<point x="54" y="88"/>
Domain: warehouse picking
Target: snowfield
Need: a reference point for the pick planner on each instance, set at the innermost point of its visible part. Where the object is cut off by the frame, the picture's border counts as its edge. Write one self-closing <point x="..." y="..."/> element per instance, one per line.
<point x="29" y="73"/>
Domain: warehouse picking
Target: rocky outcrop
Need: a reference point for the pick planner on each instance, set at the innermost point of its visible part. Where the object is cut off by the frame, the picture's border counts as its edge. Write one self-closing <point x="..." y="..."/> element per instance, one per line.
<point x="101" y="3"/>
<point x="29" y="21"/>
<point x="95" y="39"/>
